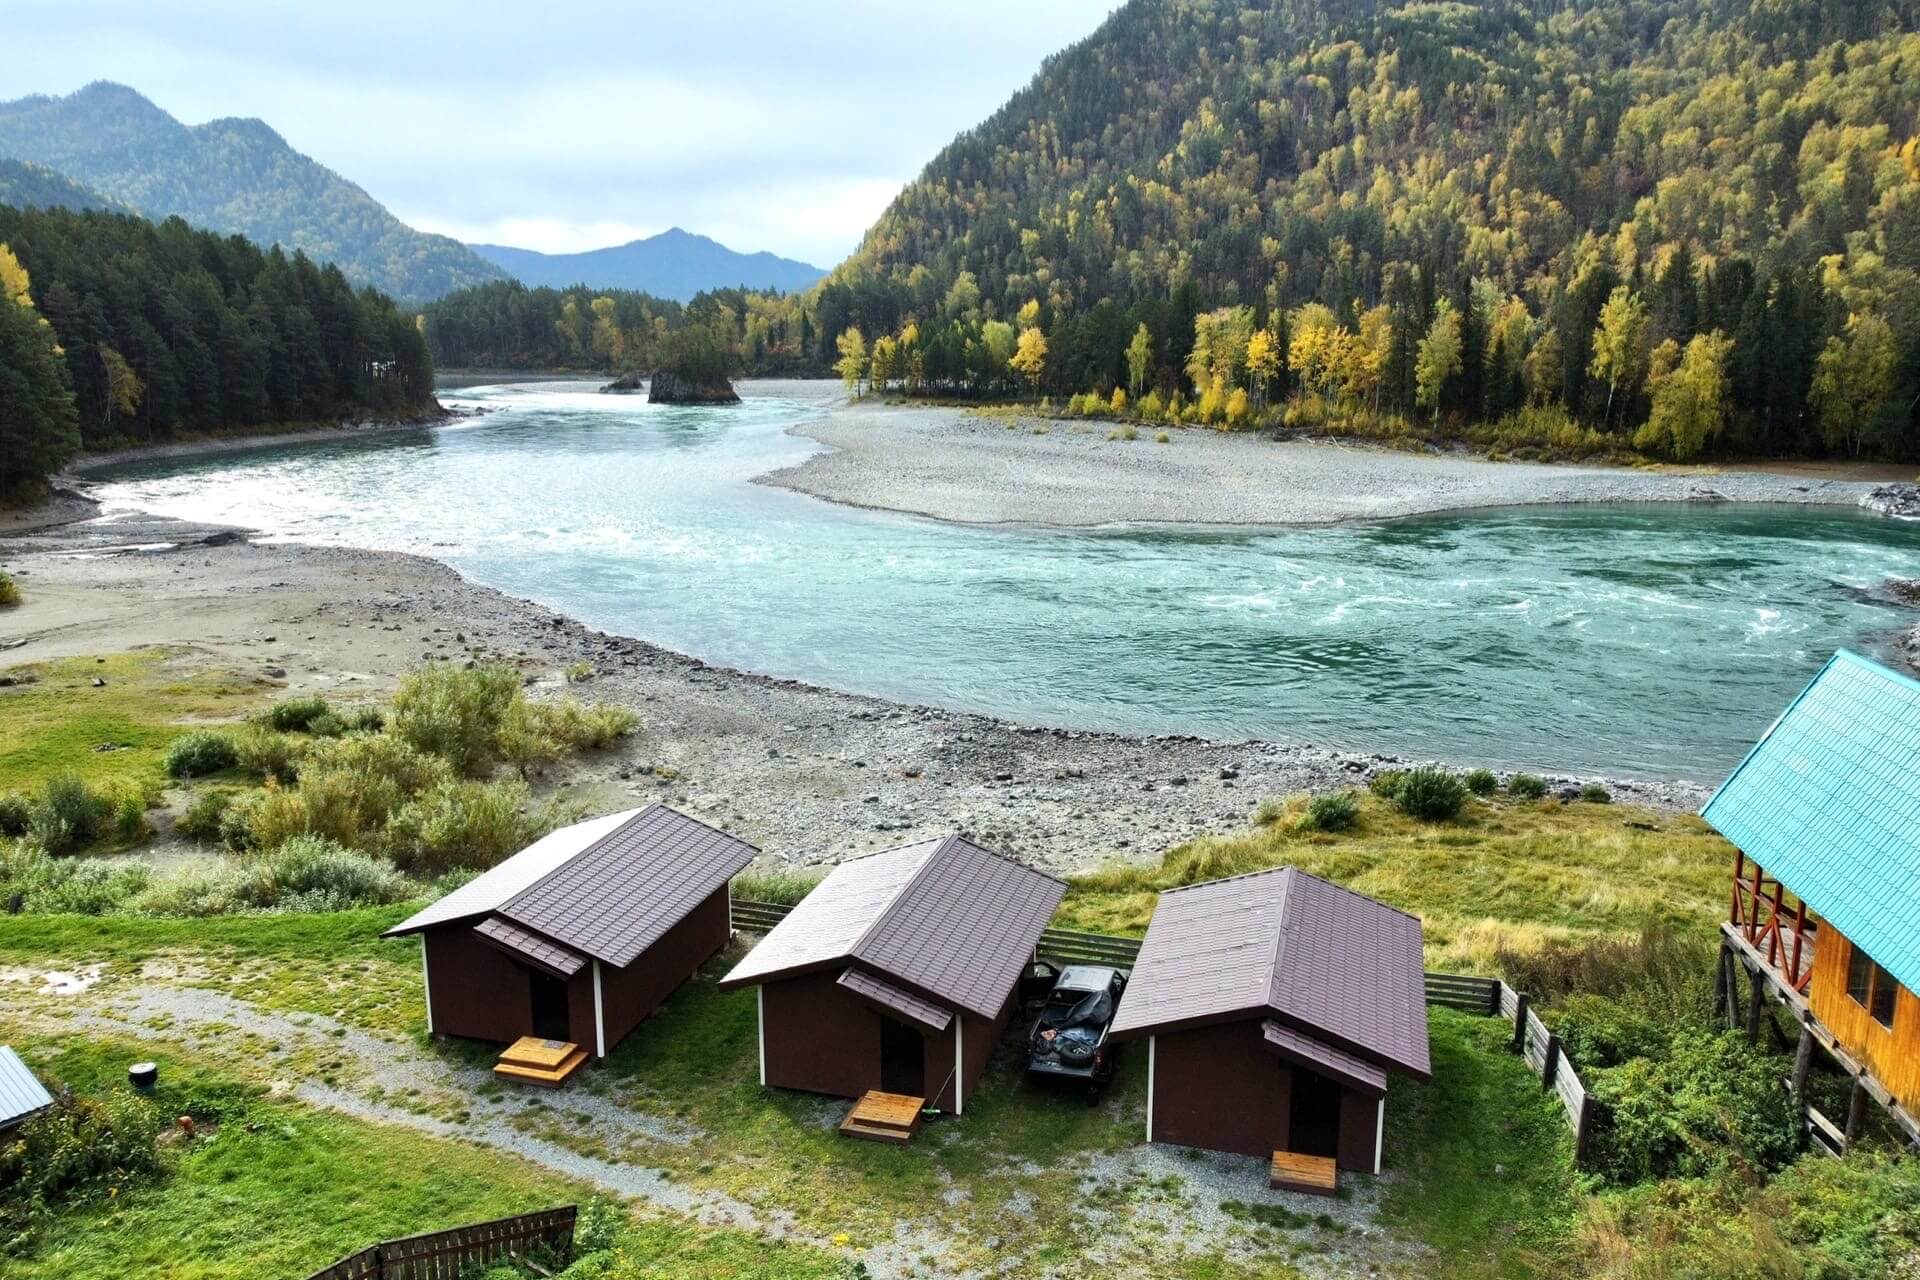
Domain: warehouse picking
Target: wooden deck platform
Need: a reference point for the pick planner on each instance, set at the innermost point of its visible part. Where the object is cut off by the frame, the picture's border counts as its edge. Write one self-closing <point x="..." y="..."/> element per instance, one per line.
<point x="884" y="1117"/>
<point x="1315" y="1175"/>
<point x="548" y="1063"/>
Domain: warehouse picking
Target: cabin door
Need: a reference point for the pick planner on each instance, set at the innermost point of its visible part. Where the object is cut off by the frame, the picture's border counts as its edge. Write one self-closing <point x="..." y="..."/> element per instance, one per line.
<point x="1313" y="1115"/>
<point x="903" y="1058"/>
<point x="548" y="996"/>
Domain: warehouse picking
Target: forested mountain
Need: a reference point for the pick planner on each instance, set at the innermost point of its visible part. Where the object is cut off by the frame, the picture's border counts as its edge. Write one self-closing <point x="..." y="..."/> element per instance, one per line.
<point x="115" y="329"/>
<point x="234" y="176"/>
<point x="675" y="264"/>
<point x="509" y="326"/>
<point x="33" y="186"/>
<point x="1691" y="222"/>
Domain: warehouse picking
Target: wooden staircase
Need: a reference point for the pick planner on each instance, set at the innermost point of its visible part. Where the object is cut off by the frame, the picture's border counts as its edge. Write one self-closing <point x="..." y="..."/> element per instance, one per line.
<point x="884" y="1117"/>
<point x="548" y="1063"/>
<point x="1315" y="1175"/>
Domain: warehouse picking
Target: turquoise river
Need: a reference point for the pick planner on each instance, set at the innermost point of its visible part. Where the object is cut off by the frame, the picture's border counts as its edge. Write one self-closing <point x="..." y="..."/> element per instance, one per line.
<point x="1643" y="640"/>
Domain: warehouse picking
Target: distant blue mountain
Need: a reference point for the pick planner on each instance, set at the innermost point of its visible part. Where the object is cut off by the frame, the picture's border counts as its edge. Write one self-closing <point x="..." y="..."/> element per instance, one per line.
<point x="674" y="264"/>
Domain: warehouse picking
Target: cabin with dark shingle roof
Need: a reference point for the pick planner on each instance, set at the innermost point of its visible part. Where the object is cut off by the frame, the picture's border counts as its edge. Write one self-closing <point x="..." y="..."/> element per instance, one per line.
<point x="898" y="972"/>
<point x="1274" y="1005"/>
<point x="580" y="936"/>
<point x="1824" y="814"/>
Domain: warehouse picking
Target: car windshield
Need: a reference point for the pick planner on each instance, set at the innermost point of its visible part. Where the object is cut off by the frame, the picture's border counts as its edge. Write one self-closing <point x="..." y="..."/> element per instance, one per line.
<point x="1077" y="1008"/>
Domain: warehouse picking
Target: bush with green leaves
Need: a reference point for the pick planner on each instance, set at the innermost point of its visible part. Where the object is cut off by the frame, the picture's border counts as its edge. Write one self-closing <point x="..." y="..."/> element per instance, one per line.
<point x="1526" y="786"/>
<point x="1594" y="793"/>
<point x="1430" y="794"/>
<point x="267" y="754"/>
<point x="1600" y="1031"/>
<point x="16" y="814"/>
<point x="77" y="1146"/>
<point x="311" y="873"/>
<point x="1331" y="811"/>
<point x="295" y="715"/>
<point x="68" y="814"/>
<point x="461" y="824"/>
<point x="1481" y="782"/>
<point x="1710" y="1102"/>
<point x="68" y="886"/>
<point x="9" y="590"/>
<point x="200" y="754"/>
<point x="456" y="713"/>
<point x="326" y="726"/>
<point x="201" y="821"/>
<point x="1386" y="783"/>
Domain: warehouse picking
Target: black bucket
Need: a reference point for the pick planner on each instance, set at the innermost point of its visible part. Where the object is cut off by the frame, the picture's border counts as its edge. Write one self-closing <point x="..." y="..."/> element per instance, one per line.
<point x="141" y="1075"/>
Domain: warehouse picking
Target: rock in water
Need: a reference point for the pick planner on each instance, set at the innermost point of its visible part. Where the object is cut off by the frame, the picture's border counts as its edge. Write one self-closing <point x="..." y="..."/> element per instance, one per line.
<point x="672" y="388"/>
<point x="632" y="380"/>
<point x="1894" y="500"/>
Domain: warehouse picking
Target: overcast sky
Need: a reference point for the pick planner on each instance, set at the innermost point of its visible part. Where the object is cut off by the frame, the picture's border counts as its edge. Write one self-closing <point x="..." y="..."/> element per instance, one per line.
<point x="572" y="124"/>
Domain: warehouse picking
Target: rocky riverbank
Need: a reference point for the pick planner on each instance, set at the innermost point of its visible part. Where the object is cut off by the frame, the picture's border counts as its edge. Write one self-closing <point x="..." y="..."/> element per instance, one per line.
<point x="808" y="774"/>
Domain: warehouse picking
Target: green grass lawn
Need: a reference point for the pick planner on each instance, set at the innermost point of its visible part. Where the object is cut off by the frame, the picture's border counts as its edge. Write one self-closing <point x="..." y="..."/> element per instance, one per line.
<point x="60" y="722"/>
<point x="279" y="1189"/>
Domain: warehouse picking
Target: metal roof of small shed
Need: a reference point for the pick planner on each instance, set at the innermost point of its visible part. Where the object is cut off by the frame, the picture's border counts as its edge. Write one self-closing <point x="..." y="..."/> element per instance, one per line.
<point x="1828" y="801"/>
<point x="607" y="888"/>
<point x="21" y="1093"/>
<point x="1315" y="956"/>
<point x="946" y="917"/>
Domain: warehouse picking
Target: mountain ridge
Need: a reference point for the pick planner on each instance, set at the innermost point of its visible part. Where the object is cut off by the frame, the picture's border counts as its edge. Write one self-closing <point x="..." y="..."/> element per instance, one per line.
<point x="675" y="263"/>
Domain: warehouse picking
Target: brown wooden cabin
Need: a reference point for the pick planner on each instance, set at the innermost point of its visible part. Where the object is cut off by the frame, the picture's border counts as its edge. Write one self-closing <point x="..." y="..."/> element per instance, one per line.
<point x="898" y="973"/>
<point x="1274" y="1005"/>
<point x="1824" y="813"/>
<point x="580" y="936"/>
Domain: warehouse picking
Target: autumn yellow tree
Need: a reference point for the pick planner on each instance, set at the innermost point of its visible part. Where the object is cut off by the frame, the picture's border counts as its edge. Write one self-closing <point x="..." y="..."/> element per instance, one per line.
<point x="1263" y="363"/>
<point x="123" y="384"/>
<point x="884" y="362"/>
<point x="1854" y="376"/>
<point x="1438" y="359"/>
<point x="1030" y="359"/>
<point x="852" y="364"/>
<point x="14" y="282"/>
<point x="1689" y="396"/>
<point x="1139" y="358"/>
<point x="1620" y="344"/>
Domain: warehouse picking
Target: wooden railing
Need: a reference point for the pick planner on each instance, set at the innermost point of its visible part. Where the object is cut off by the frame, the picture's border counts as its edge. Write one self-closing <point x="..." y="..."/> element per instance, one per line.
<point x="442" y="1254"/>
<point x="1778" y="927"/>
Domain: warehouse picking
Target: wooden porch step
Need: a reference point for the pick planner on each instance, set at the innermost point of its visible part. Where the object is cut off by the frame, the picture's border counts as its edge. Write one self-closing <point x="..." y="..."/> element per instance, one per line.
<point x="884" y="1117"/>
<point x="542" y="1062"/>
<point x="1315" y="1175"/>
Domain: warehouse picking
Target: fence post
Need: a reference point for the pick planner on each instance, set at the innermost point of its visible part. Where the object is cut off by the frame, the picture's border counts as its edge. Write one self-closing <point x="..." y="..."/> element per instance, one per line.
<point x="1551" y="1067"/>
<point x="1581" y="1129"/>
<point x="1520" y="1003"/>
<point x="1493" y="998"/>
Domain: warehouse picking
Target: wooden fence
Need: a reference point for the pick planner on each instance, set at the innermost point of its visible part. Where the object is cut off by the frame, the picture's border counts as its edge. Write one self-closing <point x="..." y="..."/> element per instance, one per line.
<point x="446" y="1255"/>
<point x="1488" y="997"/>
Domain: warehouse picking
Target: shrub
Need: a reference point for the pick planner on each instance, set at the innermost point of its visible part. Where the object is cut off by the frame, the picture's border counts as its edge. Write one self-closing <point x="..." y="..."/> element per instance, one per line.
<point x="16" y="814"/>
<point x="126" y="806"/>
<point x="456" y="713"/>
<point x="327" y="725"/>
<point x="1709" y="1101"/>
<point x="311" y="873"/>
<point x="1386" y="783"/>
<point x="1599" y="1031"/>
<point x="1125" y="431"/>
<point x="1481" y="782"/>
<point x="461" y="824"/>
<point x="267" y="755"/>
<point x="192" y="890"/>
<point x="784" y="887"/>
<point x="1430" y="794"/>
<point x="75" y="886"/>
<point x="1594" y="793"/>
<point x="202" y="818"/>
<point x="1270" y="811"/>
<point x="236" y="822"/>
<point x="1661" y="970"/>
<point x="195" y="755"/>
<point x="1161" y="437"/>
<point x="367" y="720"/>
<point x="76" y="1146"/>
<point x="1526" y="786"/>
<point x="9" y="590"/>
<point x="1151" y="406"/>
<point x="295" y="714"/>
<point x="68" y="814"/>
<point x="1332" y="811"/>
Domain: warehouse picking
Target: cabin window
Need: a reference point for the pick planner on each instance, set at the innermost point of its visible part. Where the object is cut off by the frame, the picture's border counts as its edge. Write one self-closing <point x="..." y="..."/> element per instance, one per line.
<point x="1871" y="987"/>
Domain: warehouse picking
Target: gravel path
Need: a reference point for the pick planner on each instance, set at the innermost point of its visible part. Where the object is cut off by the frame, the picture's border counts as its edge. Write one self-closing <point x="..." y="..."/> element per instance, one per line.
<point x="951" y="465"/>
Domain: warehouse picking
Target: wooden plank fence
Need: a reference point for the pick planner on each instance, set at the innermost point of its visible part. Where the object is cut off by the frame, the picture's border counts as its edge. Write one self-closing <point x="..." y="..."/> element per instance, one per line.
<point x="1488" y="997"/>
<point x="446" y="1255"/>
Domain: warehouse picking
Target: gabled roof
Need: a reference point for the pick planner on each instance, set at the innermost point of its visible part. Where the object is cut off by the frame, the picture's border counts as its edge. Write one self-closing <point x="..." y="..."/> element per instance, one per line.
<point x="524" y="944"/>
<point x="945" y="917"/>
<point x="21" y="1093"/>
<point x="1828" y="801"/>
<point x="1345" y="969"/>
<point x="895" y="1001"/>
<point x="607" y="888"/>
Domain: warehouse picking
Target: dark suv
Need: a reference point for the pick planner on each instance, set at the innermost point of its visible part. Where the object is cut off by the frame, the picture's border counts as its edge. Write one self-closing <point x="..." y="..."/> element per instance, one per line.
<point x="1069" y="1038"/>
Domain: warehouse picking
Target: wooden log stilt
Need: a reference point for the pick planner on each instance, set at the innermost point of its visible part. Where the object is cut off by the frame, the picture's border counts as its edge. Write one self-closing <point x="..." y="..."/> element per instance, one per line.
<point x="1802" y="1064"/>
<point x="1755" y="1003"/>
<point x="1856" y="1112"/>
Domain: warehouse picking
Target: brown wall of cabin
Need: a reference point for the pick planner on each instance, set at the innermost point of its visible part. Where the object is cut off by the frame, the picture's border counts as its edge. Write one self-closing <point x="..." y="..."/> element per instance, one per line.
<point x="822" y="1039"/>
<point x="1892" y="1055"/>
<point x="1223" y="1088"/>
<point x="629" y="996"/>
<point x="478" y="993"/>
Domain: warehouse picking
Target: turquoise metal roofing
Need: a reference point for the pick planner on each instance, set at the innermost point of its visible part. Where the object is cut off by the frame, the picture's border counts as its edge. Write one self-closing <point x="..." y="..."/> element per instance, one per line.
<point x="1828" y="801"/>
